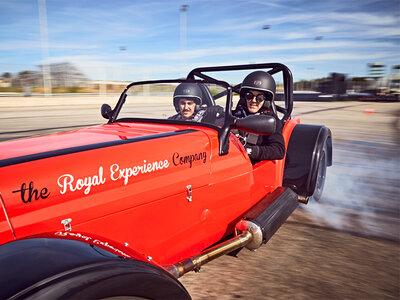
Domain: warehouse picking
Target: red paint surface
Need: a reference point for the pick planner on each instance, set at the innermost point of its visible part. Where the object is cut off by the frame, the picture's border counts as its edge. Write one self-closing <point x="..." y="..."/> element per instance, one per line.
<point x="148" y="211"/>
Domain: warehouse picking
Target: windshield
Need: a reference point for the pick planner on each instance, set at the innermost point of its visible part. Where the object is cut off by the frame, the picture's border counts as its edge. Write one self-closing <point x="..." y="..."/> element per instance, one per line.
<point x="176" y="101"/>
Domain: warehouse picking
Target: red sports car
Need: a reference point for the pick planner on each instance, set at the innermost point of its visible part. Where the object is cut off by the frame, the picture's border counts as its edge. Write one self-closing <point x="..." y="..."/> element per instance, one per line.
<point x="126" y="208"/>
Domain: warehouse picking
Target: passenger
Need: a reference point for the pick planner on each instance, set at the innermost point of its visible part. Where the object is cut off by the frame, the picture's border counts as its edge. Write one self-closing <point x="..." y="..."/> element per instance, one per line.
<point x="188" y="103"/>
<point x="257" y="95"/>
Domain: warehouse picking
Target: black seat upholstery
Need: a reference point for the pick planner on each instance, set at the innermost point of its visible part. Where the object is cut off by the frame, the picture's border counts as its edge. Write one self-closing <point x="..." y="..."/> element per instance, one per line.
<point x="207" y="98"/>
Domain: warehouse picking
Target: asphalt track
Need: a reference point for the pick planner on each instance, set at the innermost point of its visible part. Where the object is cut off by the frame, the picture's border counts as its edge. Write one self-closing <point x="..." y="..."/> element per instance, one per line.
<point x="344" y="247"/>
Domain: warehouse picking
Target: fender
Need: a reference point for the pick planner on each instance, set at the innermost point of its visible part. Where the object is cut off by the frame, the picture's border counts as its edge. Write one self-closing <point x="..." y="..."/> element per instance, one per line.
<point x="303" y="155"/>
<point x="114" y="248"/>
<point x="37" y="263"/>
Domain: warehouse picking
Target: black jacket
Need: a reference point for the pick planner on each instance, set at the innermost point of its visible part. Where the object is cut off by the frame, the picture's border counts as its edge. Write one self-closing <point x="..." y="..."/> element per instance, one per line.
<point x="263" y="147"/>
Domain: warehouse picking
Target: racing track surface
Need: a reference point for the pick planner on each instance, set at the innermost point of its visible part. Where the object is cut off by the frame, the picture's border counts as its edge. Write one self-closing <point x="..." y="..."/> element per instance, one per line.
<point x="345" y="247"/>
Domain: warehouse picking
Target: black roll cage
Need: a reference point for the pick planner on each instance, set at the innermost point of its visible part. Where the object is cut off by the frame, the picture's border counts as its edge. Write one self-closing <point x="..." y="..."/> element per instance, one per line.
<point x="224" y="131"/>
<point x="274" y="68"/>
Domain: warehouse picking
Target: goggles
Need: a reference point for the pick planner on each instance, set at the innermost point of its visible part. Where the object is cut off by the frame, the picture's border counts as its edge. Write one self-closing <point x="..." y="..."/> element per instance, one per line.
<point x="260" y="97"/>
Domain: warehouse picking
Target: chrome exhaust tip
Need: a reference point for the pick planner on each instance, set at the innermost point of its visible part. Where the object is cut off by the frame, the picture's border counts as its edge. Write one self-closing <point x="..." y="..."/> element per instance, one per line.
<point x="303" y="199"/>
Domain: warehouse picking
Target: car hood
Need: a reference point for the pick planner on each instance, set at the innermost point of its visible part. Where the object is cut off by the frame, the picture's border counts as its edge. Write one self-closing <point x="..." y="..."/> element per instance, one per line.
<point x="106" y="133"/>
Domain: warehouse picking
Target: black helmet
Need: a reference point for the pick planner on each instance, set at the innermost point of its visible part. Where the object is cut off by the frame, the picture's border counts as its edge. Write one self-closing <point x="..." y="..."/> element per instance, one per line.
<point x="187" y="91"/>
<point x="260" y="81"/>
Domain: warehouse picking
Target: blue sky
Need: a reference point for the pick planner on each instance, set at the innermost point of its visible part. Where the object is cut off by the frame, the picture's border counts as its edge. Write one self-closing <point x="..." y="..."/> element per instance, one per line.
<point x="90" y="35"/>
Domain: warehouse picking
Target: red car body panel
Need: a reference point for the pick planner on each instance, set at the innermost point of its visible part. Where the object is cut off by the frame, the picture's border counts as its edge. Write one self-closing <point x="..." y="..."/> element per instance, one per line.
<point x="269" y="173"/>
<point x="93" y="239"/>
<point x="5" y="229"/>
<point x="129" y="186"/>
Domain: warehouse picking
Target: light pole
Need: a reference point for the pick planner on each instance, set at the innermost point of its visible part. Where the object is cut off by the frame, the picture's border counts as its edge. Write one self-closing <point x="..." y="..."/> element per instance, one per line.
<point x="45" y="47"/>
<point x="183" y="10"/>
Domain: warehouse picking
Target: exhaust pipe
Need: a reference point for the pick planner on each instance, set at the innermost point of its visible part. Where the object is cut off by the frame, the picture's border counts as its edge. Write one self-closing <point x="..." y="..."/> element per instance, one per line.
<point x="303" y="199"/>
<point x="194" y="263"/>
<point x="260" y="223"/>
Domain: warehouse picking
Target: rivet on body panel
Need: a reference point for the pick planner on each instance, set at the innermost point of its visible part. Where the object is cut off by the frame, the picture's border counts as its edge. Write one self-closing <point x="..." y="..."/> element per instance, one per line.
<point x="67" y="224"/>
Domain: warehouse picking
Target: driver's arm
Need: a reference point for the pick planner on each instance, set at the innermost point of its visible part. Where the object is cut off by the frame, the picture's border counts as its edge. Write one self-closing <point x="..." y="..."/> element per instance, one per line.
<point x="213" y="115"/>
<point x="271" y="147"/>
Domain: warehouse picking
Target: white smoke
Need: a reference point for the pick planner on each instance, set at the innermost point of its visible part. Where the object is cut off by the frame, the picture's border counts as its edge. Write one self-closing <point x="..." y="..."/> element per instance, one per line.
<point x="361" y="192"/>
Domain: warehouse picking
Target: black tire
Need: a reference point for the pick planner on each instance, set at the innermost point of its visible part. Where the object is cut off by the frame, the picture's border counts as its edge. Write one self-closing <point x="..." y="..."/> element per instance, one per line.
<point x="44" y="268"/>
<point x="128" y="280"/>
<point x="308" y="154"/>
<point x="321" y="175"/>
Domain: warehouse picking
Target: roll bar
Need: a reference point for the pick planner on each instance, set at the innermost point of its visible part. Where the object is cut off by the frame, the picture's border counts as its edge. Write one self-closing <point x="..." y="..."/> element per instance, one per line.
<point x="273" y="69"/>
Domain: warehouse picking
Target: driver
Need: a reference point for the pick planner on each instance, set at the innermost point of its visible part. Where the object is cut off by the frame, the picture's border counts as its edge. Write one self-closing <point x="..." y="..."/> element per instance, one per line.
<point x="257" y="95"/>
<point x="187" y="102"/>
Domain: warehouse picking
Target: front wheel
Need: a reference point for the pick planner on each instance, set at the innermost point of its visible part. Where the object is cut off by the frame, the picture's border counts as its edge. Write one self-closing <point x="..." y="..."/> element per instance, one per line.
<point x="111" y="281"/>
<point x="44" y="268"/>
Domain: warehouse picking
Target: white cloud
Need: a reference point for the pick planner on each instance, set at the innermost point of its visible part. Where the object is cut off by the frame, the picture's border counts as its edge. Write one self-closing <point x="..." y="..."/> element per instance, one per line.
<point x="218" y="32"/>
<point x="334" y="56"/>
<point x="29" y="45"/>
<point x="303" y="25"/>
<point x="324" y="29"/>
<point x="294" y="35"/>
<point x="215" y="51"/>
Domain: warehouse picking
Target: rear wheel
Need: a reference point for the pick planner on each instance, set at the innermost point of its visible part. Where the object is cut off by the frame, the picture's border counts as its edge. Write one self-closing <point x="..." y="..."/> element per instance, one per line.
<point x="321" y="175"/>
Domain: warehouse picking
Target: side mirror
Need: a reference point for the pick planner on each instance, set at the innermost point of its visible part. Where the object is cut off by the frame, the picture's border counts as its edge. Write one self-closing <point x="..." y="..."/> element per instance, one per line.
<point x="106" y="111"/>
<point x="259" y="124"/>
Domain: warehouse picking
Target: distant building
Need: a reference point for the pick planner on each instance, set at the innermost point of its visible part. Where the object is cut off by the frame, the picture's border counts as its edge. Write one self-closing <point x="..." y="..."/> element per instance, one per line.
<point x="393" y="84"/>
<point x="64" y="74"/>
<point x="4" y="82"/>
<point x="376" y="70"/>
<point x="336" y="84"/>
